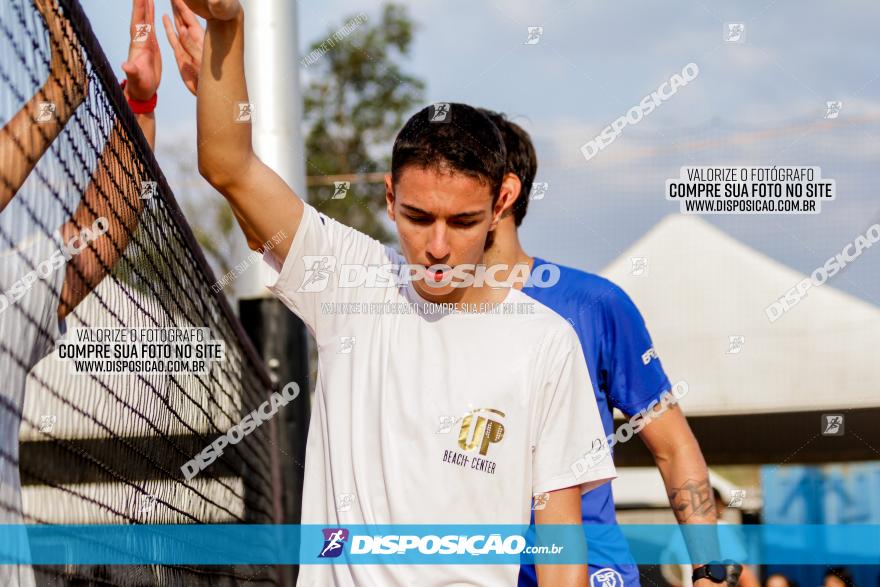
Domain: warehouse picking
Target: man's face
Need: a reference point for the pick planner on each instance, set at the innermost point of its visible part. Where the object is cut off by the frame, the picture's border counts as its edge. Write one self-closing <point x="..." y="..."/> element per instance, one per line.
<point x="442" y="218"/>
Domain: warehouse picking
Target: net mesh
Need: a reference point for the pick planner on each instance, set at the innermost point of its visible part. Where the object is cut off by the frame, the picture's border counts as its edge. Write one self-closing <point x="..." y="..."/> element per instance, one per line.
<point x="106" y="448"/>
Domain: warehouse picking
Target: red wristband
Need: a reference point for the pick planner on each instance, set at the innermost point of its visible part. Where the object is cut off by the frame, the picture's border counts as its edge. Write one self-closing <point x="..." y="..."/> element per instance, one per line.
<point x="141" y="106"/>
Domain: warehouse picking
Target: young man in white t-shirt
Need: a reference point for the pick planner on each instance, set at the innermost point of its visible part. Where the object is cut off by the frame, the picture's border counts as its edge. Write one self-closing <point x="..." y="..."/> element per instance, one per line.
<point x="422" y="416"/>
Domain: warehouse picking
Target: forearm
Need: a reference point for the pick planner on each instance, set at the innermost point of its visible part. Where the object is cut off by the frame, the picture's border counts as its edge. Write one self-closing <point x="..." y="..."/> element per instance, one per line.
<point x="112" y="196"/>
<point x="563" y="508"/>
<point x="24" y="140"/>
<point x="561" y="575"/>
<point x="225" y="146"/>
<point x="32" y="130"/>
<point x="263" y="203"/>
<point x="147" y="122"/>
<point x="677" y="454"/>
<point x="686" y="478"/>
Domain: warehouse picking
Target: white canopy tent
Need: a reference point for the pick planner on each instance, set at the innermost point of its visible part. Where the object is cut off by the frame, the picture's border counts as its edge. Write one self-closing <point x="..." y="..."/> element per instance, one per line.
<point x="702" y="287"/>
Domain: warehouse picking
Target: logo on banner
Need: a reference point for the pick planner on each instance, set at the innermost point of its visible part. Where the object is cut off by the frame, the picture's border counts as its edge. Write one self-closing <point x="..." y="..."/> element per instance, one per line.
<point x="334" y="542"/>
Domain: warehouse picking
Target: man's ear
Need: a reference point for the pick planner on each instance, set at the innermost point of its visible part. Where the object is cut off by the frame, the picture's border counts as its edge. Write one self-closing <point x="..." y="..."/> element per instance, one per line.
<point x="511" y="187"/>
<point x="389" y="196"/>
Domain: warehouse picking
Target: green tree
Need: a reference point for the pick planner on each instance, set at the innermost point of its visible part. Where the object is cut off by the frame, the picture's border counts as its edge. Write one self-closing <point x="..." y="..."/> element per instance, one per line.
<point x="356" y="98"/>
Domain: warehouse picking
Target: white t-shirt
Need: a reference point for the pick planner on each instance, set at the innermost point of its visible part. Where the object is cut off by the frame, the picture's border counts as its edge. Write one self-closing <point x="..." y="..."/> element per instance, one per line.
<point x="28" y="331"/>
<point x="394" y="392"/>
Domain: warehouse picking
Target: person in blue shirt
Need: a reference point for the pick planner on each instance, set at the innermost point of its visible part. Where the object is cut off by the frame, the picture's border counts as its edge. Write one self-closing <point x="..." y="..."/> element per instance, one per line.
<point x="626" y="373"/>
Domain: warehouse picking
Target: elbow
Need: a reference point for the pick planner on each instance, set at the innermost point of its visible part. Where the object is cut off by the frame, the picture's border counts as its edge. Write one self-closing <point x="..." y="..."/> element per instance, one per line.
<point x="220" y="172"/>
<point x="214" y="174"/>
<point x="254" y="244"/>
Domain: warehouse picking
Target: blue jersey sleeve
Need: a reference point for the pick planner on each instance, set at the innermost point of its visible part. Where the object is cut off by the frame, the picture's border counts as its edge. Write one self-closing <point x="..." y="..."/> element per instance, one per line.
<point x="635" y="376"/>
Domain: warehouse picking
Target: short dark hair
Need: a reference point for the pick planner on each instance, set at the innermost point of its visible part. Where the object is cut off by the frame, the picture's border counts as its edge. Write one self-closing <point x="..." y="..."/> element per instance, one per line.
<point x="521" y="159"/>
<point x="466" y="142"/>
<point x="841" y="573"/>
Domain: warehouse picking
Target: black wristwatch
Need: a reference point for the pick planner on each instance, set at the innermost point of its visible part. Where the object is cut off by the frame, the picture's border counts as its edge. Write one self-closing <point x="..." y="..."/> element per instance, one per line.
<point x="719" y="572"/>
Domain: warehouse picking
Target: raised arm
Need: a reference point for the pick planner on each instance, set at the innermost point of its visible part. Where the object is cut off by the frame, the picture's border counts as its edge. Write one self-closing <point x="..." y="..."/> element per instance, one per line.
<point x="187" y="39"/>
<point x="258" y="196"/>
<point x="143" y="68"/>
<point x="110" y="194"/>
<point x="27" y="136"/>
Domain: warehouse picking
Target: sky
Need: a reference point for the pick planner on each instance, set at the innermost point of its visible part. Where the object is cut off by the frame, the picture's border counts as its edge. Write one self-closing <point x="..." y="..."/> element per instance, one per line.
<point x="760" y="102"/>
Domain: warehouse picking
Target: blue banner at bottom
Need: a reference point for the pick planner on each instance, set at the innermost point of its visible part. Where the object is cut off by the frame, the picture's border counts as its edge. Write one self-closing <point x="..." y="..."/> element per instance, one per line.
<point x="435" y="544"/>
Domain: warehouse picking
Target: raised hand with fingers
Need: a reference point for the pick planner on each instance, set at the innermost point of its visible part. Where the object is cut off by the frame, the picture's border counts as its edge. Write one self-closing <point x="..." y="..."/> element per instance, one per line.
<point x="215" y="9"/>
<point x="143" y="68"/>
<point x="187" y="38"/>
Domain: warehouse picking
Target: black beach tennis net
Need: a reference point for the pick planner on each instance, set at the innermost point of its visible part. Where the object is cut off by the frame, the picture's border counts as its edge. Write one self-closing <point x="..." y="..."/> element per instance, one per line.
<point x="119" y="364"/>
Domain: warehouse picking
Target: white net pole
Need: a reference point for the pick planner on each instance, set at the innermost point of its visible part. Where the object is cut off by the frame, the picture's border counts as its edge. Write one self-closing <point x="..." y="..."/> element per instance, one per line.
<point x="273" y="75"/>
